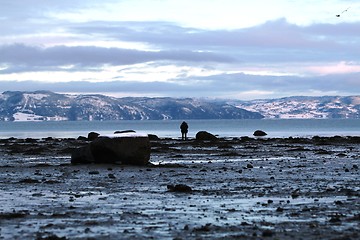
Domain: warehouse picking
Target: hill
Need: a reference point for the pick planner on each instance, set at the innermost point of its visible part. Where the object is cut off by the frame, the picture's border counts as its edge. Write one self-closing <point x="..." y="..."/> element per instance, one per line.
<point x="305" y="107"/>
<point x="49" y="106"/>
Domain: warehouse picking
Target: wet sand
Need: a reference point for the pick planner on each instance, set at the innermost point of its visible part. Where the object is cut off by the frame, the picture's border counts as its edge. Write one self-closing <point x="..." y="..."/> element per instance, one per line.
<point x="242" y="188"/>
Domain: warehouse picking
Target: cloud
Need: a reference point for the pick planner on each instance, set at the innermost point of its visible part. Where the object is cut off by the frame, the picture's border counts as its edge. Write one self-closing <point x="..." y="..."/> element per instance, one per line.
<point x="217" y="86"/>
<point x="338" y="68"/>
<point x="36" y="58"/>
<point x="58" y="41"/>
<point x="275" y="40"/>
<point x="32" y="9"/>
<point x="286" y="85"/>
<point x="272" y="42"/>
<point x="22" y="18"/>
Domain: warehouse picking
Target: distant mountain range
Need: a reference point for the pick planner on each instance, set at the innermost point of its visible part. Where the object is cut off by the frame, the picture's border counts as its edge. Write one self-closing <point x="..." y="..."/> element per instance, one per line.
<point x="49" y="106"/>
<point x="305" y="107"/>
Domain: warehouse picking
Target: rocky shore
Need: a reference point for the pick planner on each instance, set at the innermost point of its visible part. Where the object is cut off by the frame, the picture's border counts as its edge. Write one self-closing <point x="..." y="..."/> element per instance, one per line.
<point x="238" y="188"/>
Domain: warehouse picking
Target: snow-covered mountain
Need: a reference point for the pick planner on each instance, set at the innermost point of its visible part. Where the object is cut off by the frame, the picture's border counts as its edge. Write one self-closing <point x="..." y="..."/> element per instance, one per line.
<point x="305" y="107"/>
<point x="49" y="106"/>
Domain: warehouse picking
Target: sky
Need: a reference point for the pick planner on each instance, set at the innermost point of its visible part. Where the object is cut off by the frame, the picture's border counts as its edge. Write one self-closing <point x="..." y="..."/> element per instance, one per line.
<point x="228" y="49"/>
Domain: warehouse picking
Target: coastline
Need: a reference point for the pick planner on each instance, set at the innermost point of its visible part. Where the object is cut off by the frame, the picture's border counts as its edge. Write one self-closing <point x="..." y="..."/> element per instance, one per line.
<point x="242" y="188"/>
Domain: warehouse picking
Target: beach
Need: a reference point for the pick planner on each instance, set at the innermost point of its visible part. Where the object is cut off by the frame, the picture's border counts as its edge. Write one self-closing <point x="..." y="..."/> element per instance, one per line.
<point x="231" y="188"/>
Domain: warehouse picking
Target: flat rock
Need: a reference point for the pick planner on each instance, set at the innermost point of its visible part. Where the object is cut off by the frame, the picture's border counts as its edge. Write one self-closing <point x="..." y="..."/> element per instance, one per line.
<point x="179" y="188"/>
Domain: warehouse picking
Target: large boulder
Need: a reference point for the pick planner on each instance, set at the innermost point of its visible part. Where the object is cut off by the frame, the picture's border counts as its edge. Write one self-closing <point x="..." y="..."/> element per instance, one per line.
<point x="92" y="136"/>
<point x="259" y="133"/>
<point x="82" y="155"/>
<point x="153" y="137"/>
<point x="205" y="136"/>
<point x="127" y="148"/>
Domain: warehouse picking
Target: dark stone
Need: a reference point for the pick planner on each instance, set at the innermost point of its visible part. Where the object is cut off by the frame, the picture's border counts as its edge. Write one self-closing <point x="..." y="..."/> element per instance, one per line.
<point x="259" y="133"/>
<point x="267" y="233"/>
<point x="29" y="180"/>
<point x="279" y="209"/>
<point x="245" y="139"/>
<point x="322" y="151"/>
<point x="110" y="175"/>
<point x="295" y="195"/>
<point x="82" y="138"/>
<point x="205" y="228"/>
<point x="92" y="136"/>
<point x="82" y="155"/>
<point x="179" y="188"/>
<point x="205" y="136"/>
<point x="127" y="150"/>
<point x="125" y="131"/>
<point x="335" y="219"/>
<point x="13" y="215"/>
<point x="249" y="165"/>
<point x="132" y="150"/>
<point x="354" y="139"/>
<point x="153" y="137"/>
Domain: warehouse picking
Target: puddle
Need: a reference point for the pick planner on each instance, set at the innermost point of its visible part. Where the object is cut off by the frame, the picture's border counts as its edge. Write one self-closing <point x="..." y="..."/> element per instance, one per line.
<point x="222" y="160"/>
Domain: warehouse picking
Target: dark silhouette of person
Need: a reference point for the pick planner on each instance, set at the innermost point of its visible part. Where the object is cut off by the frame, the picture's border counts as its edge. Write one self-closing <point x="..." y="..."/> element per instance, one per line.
<point x="184" y="130"/>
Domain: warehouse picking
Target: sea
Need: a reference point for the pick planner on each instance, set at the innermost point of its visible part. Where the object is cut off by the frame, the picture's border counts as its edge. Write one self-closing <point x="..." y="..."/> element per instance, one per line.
<point x="171" y="128"/>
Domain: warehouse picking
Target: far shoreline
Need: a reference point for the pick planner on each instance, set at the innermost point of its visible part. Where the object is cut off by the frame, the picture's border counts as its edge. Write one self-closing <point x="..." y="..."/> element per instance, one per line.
<point x="275" y="128"/>
<point x="154" y="137"/>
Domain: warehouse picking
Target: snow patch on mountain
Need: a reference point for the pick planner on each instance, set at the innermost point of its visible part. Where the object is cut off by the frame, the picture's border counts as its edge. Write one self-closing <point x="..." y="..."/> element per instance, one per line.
<point x="305" y="107"/>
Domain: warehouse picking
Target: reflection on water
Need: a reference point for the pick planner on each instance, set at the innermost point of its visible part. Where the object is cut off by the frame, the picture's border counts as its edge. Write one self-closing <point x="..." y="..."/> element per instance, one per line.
<point x="230" y="160"/>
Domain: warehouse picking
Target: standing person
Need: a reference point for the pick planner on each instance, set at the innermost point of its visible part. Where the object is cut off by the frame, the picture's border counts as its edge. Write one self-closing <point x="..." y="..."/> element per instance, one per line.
<point x="184" y="130"/>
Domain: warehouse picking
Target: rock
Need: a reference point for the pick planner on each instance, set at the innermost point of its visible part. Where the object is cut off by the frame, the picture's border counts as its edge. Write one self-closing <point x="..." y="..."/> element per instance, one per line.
<point x="279" y="209"/>
<point x="30" y="140"/>
<point x="249" y="165"/>
<point x="110" y="175"/>
<point x="259" y="133"/>
<point x="355" y="140"/>
<point x="245" y="139"/>
<point x="335" y="219"/>
<point x="179" y="188"/>
<point x="82" y="138"/>
<point x="322" y="152"/>
<point x="29" y="180"/>
<point x="205" y="136"/>
<point x="92" y="136"/>
<point x="126" y="148"/>
<point x="82" y="155"/>
<point x="153" y="137"/>
<point x="125" y="131"/>
<point x="267" y="233"/>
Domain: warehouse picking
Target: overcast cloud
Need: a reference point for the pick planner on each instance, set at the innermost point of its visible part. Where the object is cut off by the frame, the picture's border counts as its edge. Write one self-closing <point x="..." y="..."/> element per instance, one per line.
<point x="217" y="49"/>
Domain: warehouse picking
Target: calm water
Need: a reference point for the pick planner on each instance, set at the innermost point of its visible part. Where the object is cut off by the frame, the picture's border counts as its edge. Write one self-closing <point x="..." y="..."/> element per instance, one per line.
<point x="170" y="128"/>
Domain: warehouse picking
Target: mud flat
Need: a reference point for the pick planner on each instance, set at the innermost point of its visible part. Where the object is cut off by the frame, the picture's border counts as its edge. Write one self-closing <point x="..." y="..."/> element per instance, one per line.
<point x="238" y="188"/>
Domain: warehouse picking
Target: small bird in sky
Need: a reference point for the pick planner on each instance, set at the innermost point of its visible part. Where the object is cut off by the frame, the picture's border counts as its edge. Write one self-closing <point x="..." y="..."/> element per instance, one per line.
<point x="338" y="15"/>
